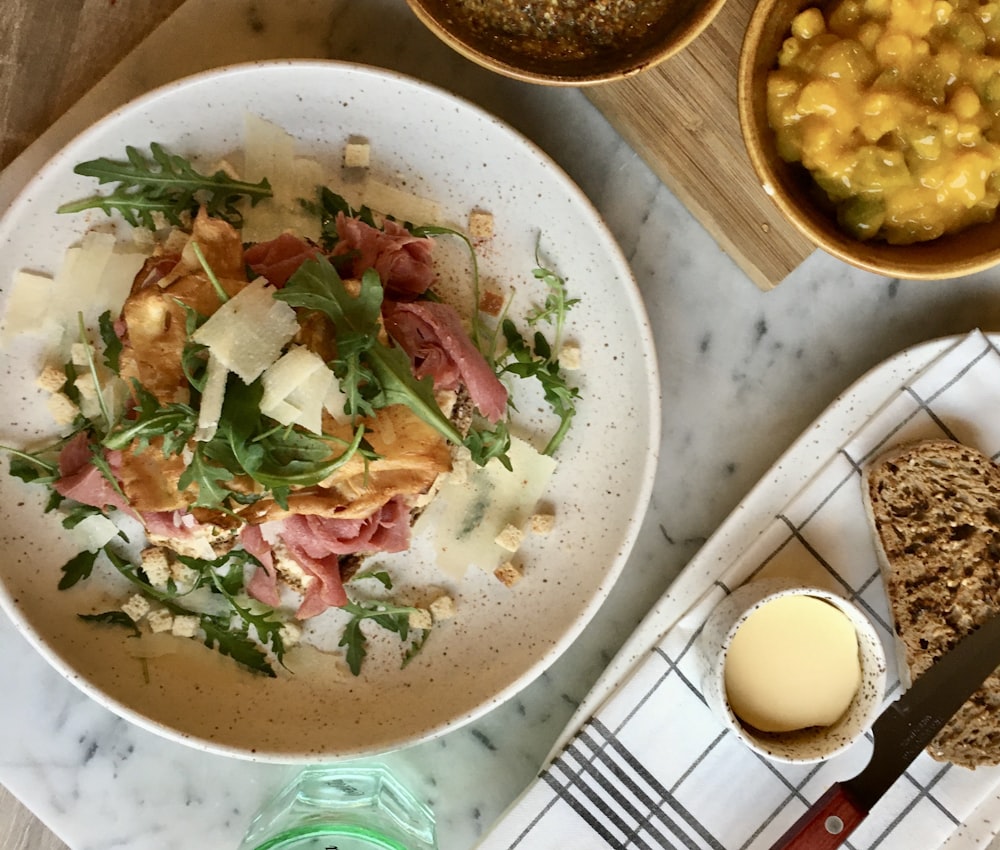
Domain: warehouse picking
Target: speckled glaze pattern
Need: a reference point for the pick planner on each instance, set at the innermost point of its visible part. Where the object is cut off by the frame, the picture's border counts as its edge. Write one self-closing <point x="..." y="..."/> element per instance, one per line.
<point x="807" y="745"/>
<point x="439" y="147"/>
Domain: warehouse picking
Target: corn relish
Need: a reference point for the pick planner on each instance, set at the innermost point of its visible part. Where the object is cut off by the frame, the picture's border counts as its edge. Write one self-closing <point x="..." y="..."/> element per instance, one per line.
<point x="894" y="107"/>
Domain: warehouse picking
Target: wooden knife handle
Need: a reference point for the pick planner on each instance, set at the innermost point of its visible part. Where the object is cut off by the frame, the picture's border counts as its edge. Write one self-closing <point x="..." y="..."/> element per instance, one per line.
<point x="826" y="825"/>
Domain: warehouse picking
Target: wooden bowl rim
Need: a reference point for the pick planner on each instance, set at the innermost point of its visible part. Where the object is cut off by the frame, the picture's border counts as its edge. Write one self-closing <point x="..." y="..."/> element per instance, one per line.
<point x="645" y="57"/>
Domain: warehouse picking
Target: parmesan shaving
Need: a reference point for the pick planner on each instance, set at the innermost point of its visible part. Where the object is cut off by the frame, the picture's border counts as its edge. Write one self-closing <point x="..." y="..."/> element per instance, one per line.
<point x="295" y="388"/>
<point x="247" y="333"/>
<point x="470" y="512"/>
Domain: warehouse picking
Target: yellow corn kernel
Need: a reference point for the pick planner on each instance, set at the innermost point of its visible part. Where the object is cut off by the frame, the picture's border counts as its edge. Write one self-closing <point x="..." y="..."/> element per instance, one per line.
<point x="790" y="50"/>
<point x="819" y="97"/>
<point x="894" y="49"/>
<point x="965" y="103"/>
<point x="869" y="35"/>
<point x="808" y="24"/>
<point x="941" y="11"/>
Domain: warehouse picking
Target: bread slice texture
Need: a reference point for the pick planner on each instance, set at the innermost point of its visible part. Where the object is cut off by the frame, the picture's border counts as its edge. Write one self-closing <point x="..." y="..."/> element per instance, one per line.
<point x="935" y="509"/>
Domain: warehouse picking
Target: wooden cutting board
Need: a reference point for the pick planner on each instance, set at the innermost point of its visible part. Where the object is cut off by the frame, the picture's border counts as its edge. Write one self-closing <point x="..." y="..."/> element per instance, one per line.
<point x="681" y="118"/>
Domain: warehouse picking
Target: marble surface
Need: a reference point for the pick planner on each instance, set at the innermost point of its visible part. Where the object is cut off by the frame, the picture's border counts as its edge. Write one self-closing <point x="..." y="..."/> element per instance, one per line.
<point x="743" y="372"/>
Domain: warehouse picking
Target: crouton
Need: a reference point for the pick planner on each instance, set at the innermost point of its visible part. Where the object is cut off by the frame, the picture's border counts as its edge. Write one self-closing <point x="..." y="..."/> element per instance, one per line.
<point x="510" y="538"/>
<point x="508" y="573"/>
<point x="481" y="224"/>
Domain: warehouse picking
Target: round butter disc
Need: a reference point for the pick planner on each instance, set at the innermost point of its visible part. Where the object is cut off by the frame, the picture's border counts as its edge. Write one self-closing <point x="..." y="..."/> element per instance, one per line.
<point x="792" y="664"/>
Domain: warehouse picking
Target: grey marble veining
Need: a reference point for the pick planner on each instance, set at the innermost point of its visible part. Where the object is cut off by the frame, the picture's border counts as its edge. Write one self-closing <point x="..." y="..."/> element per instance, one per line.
<point x="743" y="373"/>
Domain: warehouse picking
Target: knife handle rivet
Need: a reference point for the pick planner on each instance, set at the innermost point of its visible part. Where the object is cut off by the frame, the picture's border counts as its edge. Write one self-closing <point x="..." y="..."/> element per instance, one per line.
<point x="834" y="825"/>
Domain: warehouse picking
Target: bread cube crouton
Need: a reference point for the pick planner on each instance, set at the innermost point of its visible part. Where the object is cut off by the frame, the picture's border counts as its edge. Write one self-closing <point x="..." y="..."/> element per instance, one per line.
<point x="570" y="356"/>
<point x="357" y="154"/>
<point x="442" y="608"/>
<point x="62" y="408"/>
<point x="156" y="565"/>
<point x="185" y="625"/>
<point x="421" y="618"/>
<point x="508" y="573"/>
<point x="491" y="302"/>
<point x="160" y="620"/>
<point x="481" y="224"/>
<point x="291" y="634"/>
<point x="51" y="379"/>
<point x="182" y="574"/>
<point x="80" y="354"/>
<point x="510" y="538"/>
<point x="541" y="523"/>
<point x="137" y="607"/>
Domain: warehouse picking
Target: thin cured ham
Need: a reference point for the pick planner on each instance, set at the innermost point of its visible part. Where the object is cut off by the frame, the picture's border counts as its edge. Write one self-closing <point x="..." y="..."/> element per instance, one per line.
<point x="316" y="543"/>
<point x="278" y="259"/>
<point x="431" y="333"/>
<point x="402" y="260"/>
<point x="83" y="482"/>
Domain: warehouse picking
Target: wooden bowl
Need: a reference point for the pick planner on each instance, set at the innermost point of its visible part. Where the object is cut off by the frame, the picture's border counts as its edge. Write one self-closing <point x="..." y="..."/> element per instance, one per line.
<point x="527" y="59"/>
<point x="805" y="205"/>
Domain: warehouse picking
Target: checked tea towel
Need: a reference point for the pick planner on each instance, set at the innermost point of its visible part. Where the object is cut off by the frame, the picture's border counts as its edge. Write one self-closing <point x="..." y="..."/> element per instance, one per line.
<point x="654" y="769"/>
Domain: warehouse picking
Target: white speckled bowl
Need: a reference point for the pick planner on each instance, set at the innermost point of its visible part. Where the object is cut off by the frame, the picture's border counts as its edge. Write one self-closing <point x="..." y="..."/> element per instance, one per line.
<point x="806" y="745"/>
<point x="439" y="147"/>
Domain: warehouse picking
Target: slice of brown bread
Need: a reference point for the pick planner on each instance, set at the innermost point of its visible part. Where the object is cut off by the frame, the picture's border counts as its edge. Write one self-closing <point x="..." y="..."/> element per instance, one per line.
<point x="935" y="509"/>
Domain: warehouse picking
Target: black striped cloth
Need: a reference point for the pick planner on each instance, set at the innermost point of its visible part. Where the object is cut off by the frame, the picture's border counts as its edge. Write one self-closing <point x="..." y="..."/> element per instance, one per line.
<point x="654" y="768"/>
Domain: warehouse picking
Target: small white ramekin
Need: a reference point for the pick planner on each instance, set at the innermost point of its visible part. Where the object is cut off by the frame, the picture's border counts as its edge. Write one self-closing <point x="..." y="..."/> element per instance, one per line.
<point x="804" y="745"/>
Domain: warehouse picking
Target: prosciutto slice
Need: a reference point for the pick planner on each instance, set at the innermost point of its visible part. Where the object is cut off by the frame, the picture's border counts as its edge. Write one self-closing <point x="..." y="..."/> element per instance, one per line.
<point x="278" y="259"/>
<point x="316" y="544"/>
<point x="431" y="333"/>
<point x="403" y="261"/>
<point x="83" y="482"/>
<point x="263" y="584"/>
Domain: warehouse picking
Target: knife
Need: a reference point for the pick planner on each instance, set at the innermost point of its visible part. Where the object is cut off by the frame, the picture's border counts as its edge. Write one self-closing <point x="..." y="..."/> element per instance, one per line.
<point x="901" y="732"/>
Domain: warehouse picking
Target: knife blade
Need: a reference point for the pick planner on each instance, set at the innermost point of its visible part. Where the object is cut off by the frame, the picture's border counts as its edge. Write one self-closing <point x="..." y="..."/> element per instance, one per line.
<point x="901" y="732"/>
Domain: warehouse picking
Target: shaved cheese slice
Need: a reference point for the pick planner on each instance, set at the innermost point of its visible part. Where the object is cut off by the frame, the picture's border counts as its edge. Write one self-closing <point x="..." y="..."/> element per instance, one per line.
<point x="29" y="308"/>
<point x="403" y="205"/>
<point x="270" y="152"/>
<point x="295" y="388"/>
<point x="470" y="512"/>
<point x="211" y="399"/>
<point x="95" y="277"/>
<point x="94" y="531"/>
<point x="247" y="333"/>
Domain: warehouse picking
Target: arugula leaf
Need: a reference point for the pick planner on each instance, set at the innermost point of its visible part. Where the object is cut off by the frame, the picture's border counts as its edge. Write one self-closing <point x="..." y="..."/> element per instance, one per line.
<point x="207" y="477"/>
<point x="268" y="629"/>
<point x="194" y="360"/>
<point x="220" y="633"/>
<point x="164" y="183"/>
<point x="376" y="573"/>
<point x="486" y="444"/>
<point x="175" y="423"/>
<point x="557" y="302"/>
<point x="77" y="568"/>
<point x="539" y="363"/>
<point x="393" y="618"/>
<point x="326" y="209"/>
<point x="78" y="514"/>
<point x="278" y="458"/>
<point x="111" y="618"/>
<point x="235" y="644"/>
<point x="30" y="468"/>
<point x="317" y="285"/>
<point x="112" y="343"/>
<point x="98" y="460"/>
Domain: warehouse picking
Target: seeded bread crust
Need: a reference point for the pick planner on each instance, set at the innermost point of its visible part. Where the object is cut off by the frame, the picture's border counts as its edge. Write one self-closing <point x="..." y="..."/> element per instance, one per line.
<point x="935" y="510"/>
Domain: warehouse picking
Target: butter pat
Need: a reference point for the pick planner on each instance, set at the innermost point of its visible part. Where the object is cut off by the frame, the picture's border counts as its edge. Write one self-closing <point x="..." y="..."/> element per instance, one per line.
<point x="793" y="664"/>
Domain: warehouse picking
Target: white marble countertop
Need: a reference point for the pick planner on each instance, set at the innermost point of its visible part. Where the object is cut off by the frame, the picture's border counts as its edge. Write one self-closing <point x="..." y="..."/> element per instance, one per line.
<point x="743" y="372"/>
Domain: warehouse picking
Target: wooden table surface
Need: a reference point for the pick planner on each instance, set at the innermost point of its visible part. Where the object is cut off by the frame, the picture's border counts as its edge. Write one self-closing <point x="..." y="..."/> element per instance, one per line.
<point x="51" y="53"/>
